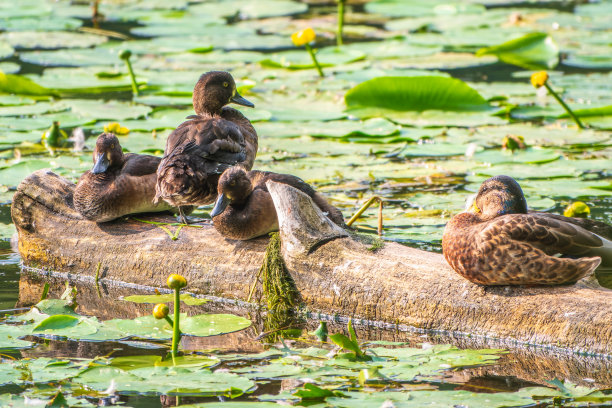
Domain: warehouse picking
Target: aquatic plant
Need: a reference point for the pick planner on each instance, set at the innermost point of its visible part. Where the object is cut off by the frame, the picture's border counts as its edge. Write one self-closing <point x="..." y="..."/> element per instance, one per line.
<point x="125" y="55"/>
<point x="577" y="209"/>
<point x="304" y="38"/>
<point x="540" y="79"/>
<point x="176" y="282"/>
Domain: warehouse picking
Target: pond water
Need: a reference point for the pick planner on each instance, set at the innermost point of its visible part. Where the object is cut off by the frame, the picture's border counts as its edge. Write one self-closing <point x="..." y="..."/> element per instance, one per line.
<point x="423" y="164"/>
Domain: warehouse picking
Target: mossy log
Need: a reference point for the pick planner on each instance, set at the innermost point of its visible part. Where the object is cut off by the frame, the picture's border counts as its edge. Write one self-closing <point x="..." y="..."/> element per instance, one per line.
<point x="334" y="272"/>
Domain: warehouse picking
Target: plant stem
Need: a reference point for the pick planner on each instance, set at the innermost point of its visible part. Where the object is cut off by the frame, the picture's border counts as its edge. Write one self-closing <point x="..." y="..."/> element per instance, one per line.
<point x="132" y="77"/>
<point x="341" y="4"/>
<point x="365" y="207"/>
<point x="314" y="59"/>
<point x="567" y="108"/>
<point x="98" y="279"/>
<point x="176" y="333"/>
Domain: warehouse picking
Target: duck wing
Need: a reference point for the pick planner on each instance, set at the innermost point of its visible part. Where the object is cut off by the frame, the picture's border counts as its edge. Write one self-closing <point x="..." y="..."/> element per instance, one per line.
<point x="140" y="164"/>
<point x="600" y="228"/>
<point x="551" y="235"/>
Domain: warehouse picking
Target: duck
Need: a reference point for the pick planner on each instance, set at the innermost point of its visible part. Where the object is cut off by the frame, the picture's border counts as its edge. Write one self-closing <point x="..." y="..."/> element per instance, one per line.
<point x="498" y="241"/>
<point x="118" y="184"/>
<point x="244" y="208"/>
<point x="200" y="149"/>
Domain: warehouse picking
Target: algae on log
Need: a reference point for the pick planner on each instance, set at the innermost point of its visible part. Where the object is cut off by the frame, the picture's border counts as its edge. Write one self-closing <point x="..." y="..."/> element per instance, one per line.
<point x="333" y="272"/>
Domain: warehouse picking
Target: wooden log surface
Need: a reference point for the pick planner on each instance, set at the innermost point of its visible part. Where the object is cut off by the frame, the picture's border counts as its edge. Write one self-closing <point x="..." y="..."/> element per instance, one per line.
<point x="335" y="275"/>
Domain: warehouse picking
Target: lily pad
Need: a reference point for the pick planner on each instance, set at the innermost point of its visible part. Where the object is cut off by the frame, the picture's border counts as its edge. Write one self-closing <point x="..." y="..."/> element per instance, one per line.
<point x="51" y="39"/>
<point x="327" y="57"/>
<point x="187" y="298"/>
<point x="532" y="51"/>
<point x="380" y="95"/>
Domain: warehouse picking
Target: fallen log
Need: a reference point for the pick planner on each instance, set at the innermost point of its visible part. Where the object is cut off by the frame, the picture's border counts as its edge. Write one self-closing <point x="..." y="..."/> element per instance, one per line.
<point x="333" y="271"/>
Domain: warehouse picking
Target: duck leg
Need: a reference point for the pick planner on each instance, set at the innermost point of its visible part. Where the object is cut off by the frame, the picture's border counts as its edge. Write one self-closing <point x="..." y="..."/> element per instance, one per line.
<point x="183" y="218"/>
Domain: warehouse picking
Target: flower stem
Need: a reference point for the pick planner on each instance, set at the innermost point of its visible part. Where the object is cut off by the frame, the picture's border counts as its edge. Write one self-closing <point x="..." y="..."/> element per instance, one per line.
<point x="176" y="332"/>
<point x="132" y="77"/>
<point x="567" y="108"/>
<point x="314" y="59"/>
<point x="341" y="4"/>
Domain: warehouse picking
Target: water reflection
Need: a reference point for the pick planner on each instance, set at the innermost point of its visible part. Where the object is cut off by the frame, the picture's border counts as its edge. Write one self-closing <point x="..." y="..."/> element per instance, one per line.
<point x="521" y="367"/>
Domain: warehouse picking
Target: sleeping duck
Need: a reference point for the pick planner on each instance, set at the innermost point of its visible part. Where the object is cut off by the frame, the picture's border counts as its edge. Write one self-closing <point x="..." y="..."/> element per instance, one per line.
<point x="244" y="208"/>
<point x="200" y="149"/>
<point x="118" y="184"/>
<point x="498" y="242"/>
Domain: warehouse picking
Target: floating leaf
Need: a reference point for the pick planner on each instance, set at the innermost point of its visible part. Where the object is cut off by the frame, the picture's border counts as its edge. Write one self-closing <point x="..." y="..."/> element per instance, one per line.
<point x="380" y="95"/>
<point x="16" y="84"/>
<point x="185" y="297"/>
<point x="532" y="51"/>
<point x="56" y="322"/>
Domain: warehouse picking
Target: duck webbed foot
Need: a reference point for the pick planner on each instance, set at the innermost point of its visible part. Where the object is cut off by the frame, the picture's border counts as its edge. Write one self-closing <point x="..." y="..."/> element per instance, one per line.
<point x="184" y="219"/>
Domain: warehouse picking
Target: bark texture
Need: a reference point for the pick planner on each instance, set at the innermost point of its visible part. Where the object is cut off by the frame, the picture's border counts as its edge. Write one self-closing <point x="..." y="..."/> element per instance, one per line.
<point x="334" y="273"/>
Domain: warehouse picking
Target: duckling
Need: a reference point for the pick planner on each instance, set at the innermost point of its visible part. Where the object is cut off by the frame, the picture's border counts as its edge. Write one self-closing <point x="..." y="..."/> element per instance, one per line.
<point x="118" y="184"/>
<point x="244" y="208"/>
<point x="200" y="149"/>
<point x="498" y="242"/>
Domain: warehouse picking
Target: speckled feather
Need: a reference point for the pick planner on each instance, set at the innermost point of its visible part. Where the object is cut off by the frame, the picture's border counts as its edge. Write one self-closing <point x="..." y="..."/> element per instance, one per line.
<point x="498" y="242"/>
<point x="198" y="152"/>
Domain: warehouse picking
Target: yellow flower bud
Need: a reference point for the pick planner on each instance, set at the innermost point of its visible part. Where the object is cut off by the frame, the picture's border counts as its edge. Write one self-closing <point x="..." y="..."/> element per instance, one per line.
<point x="116" y="129"/>
<point x="160" y="311"/>
<point x="303" y="37"/>
<point x="538" y="79"/>
<point x="577" y="209"/>
<point x="176" y="281"/>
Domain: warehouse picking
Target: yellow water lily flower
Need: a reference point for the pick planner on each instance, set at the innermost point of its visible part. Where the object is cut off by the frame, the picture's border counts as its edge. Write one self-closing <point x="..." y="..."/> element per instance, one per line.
<point x="160" y="311"/>
<point x="176" y="281"/>
<point x="538" y="79"/>
<point x="116" y="129"/>
<point x="577" y="209"/>
<point x="303" y="37"/>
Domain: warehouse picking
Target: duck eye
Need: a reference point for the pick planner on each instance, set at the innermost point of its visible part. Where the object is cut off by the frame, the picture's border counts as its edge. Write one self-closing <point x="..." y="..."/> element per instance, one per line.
<point x="113" y="146"/>
<point x="225" y="84"/>
<point x="233" y="183"/>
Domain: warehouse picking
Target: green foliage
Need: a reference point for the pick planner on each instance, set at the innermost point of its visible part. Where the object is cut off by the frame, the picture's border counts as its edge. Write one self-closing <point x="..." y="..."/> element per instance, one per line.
<point x="16" y="84"/>
<point x="532" y="51"/>
<point x="376" y="96"/>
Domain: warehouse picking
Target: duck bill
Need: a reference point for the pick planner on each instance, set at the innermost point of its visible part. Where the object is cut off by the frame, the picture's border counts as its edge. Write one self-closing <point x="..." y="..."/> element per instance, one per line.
<point x="101" y="165"/>
<point x="237" y="98"/>
<point x="220" y="205"/>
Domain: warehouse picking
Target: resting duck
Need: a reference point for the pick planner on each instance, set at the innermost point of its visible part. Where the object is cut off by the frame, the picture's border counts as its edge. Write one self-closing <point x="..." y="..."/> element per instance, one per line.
<point x="498" y="242"/>
<point x="244" y="208"/>
<point x="200" y="149"/>
<point x="118" y="184"/>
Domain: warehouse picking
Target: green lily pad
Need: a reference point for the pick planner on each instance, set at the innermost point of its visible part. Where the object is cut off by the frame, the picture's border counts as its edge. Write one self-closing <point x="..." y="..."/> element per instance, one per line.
<point x="5" y="50"/>
<point x="187" y="298"/>
<point x="51" y="39"/>
<point x="110" y="110"/>
<point x="48" y="24"/>
<point x="413" y="94"/>
<point x="327" y="57"/>
<point x="16" y="84"/>
<point x="165" y="380"/>
<point x="532" y="51"/>
<point x="213" y="324"/>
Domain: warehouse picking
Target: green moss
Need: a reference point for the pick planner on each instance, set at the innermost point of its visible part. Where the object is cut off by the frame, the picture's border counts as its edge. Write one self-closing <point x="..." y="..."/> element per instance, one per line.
<point x="280" y="292"/>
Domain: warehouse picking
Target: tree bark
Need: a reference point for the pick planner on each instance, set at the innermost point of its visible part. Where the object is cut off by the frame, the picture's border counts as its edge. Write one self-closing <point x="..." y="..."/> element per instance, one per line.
<point x="334" y="272"/>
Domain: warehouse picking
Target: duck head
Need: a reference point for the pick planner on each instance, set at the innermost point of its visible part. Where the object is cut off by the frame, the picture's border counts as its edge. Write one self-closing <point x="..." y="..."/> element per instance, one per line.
<point x="107" y="153"/>
<point x="497" y="196"/>
<point x="213" y="91"/>
<point x="234" y="187"/>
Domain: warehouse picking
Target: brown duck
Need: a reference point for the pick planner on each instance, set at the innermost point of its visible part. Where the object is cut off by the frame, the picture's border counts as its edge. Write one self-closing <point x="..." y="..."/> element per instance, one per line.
<point x="244" y="208"/>
<point x="498" y="242"/>
<point x="200" y="149"/>
<point x="118" y="184"/>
